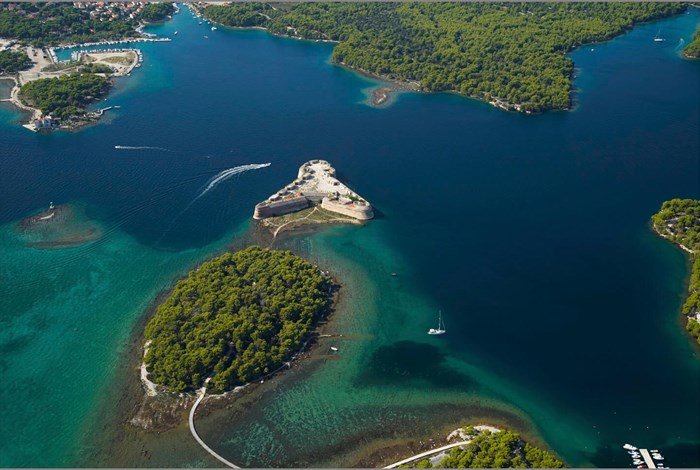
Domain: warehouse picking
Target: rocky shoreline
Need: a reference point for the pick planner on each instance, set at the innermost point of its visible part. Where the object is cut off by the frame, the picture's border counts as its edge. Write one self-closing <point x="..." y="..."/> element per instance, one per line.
<point x="152" y="430"/>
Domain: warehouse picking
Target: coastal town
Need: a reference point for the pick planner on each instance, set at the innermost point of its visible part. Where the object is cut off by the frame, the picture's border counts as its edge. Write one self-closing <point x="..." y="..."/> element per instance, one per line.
<point x="106" y="58"/>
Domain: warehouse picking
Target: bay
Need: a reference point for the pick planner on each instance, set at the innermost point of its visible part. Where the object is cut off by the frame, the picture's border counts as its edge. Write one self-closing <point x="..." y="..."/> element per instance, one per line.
<point x="530" y="233"/>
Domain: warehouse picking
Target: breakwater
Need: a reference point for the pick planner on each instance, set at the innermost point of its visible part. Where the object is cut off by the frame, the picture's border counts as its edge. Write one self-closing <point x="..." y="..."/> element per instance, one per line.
<point x="83" y="46"/>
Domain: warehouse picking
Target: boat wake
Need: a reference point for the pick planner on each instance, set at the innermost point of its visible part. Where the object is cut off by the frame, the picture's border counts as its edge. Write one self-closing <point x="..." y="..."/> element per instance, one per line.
<point x="143" y="147"/>
<point x="213" y="183"/>
<point x="226" y="174"/>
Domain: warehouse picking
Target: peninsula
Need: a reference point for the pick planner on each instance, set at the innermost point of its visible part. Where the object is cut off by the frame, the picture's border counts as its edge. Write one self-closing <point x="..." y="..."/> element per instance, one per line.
<point x="692" y="50"/>
<point x="512" y="55"/>
<point x="679" y="221"/>
<point x="317" y="188"/>
<point x="482" y="446"/>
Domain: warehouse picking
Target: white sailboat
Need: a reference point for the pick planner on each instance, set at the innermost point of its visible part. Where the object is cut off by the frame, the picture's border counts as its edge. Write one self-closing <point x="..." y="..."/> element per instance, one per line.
<point x="658" y="38"/>
<point x="440" y="330"/>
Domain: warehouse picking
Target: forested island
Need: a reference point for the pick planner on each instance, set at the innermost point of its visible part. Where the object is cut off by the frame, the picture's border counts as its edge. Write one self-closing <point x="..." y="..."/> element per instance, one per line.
<point x="64" y="97"/>
<point x="13" y="62"/>
<point x="489" y="449"/>
<point x="235" y="318"/>
<point x="679" y="221"/>
<point x="692" y="51"/>
<point x="512" y="55"/>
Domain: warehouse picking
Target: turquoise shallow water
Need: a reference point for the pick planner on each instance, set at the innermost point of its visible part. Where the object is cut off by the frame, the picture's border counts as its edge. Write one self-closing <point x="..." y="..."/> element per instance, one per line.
<point x="529" y="232"/>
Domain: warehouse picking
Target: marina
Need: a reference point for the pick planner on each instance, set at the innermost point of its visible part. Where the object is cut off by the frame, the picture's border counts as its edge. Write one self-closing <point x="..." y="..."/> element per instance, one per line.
<point x="644" y="458"/>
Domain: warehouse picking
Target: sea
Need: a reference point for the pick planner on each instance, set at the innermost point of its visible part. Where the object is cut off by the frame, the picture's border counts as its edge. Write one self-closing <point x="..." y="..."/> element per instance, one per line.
<point x="530" y="233"/>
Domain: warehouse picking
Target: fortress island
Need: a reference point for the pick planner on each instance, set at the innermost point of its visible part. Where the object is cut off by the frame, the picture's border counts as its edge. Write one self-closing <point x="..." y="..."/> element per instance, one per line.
<point x="316" y="195"/>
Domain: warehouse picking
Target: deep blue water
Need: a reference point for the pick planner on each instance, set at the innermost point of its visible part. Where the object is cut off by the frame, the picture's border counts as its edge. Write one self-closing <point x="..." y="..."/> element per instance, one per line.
<point x="530" y="233"/>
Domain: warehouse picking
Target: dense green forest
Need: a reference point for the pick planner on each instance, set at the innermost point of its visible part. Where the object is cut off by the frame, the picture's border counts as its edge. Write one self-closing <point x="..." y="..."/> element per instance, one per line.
<point x="502" y="449"/>
<point x="156" y="12"/>
<point x="693" y="49"/>
<point x="13" y="62"/>
<point x="515" y="52"/>
<point x="236" y="317"/>
<point x="64" y="97"/>
<point x="679" y="221"/>
<point x="48" y="24"/>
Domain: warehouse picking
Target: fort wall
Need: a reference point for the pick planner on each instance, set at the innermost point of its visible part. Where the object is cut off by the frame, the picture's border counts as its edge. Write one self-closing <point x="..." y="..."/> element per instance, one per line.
<point x="315" y="184"/>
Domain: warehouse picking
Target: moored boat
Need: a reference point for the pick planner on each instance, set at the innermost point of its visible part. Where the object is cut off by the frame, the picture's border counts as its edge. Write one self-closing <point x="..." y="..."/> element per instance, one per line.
<point x="440" y="330"/>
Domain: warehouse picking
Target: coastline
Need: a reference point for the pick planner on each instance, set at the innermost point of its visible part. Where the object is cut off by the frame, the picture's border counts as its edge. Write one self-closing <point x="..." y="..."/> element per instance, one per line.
<point x="40" y="62"/>
<point x="381" y="94"/>
<point x="14" y="98"/>
<point x="128" y="444"/>
<point x="137" y="397"/>
<point x="690" y="258"/>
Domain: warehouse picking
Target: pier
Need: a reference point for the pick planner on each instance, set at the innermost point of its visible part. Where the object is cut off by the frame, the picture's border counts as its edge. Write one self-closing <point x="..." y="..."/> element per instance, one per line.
<point x="647" y="458"/>
<point x="428" y="453"/>
<point x="202" y="392"/>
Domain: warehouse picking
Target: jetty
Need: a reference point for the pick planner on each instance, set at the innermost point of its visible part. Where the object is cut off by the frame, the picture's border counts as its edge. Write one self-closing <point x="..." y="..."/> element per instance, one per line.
<point x="427" y="454"/>
<point x="200" y="396"/>
<point x="316" y="184"/>
<point x="647" y="458"/>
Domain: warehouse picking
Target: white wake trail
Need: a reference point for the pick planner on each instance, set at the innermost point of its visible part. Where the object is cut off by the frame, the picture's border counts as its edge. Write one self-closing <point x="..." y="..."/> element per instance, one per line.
<point x="226" y="174"/>
<point x="211" y="184"/>
<point x="142" y="147"/>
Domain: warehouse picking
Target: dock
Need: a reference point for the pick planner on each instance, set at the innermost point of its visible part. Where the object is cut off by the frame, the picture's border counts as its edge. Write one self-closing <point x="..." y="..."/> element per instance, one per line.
<point x="647" y="458"/>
